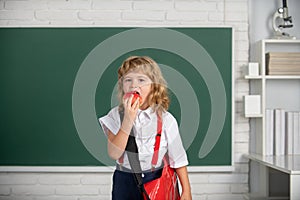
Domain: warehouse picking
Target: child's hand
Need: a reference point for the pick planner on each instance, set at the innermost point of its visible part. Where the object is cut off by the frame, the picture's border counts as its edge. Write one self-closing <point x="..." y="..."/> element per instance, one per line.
<point x="130" y="108"/>
<point x="136" y="96"/>
<point x="186" y="196"/>
<point x="130" y="112"/>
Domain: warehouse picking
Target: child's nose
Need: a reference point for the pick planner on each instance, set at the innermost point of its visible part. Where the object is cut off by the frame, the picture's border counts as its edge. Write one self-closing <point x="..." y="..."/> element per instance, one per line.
<point x="134" y="84"/>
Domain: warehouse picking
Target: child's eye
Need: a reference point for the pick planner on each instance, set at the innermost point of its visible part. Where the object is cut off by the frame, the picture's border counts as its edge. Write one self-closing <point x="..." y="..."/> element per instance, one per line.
<point x="127" y="80"/>
<point x="141" y="80"/>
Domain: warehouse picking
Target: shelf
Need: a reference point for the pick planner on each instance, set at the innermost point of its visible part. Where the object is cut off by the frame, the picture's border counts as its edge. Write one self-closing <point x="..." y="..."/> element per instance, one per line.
<point x="283" y="41"/>
<point x="276" y="91"/>
<point x="282" y="76"/>
<point x="254" y="115"/>
<point x="286" y="163"/>
<point x="253" y="77"/>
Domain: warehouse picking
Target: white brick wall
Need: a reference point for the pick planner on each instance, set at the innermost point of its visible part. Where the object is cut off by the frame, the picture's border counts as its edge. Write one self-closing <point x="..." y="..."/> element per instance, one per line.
<point x="92" y="186"/>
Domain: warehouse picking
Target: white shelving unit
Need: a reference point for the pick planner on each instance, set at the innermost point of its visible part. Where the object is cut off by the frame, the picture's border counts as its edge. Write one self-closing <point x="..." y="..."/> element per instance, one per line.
<point x="280" y="91"/>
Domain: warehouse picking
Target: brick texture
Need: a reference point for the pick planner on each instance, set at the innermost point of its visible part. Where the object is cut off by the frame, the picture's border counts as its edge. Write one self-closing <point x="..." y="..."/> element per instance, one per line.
<point x="90" y="186"/>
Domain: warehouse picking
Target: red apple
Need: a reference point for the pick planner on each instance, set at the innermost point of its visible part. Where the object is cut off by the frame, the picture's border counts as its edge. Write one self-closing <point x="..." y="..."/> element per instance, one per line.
<point x="136" y="96"/>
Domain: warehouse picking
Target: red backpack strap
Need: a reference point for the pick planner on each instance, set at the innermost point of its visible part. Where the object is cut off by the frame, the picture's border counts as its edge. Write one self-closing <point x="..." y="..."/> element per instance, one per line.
<point x="157" y="141"/>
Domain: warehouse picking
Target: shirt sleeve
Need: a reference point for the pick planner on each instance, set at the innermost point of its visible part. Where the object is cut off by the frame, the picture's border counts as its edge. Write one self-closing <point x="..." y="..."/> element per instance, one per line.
<point x="176" y="151"/>
<point x="111" y="121"/>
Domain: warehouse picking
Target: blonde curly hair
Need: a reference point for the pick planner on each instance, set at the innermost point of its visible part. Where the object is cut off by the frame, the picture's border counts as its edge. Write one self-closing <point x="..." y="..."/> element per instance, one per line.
<point x="158" y="97"/>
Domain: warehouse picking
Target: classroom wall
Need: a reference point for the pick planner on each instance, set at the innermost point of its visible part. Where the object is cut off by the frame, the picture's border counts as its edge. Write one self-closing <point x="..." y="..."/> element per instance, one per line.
<point x="91" y="186"/>
<point x="260" y="20"/>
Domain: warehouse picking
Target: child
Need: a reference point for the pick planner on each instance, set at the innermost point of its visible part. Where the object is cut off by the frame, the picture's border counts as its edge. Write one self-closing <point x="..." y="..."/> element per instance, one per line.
<point x="141" y="118"/>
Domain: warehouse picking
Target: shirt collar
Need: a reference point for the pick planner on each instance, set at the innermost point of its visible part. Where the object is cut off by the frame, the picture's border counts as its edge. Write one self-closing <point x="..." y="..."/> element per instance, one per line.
<point x="148" y="113"/>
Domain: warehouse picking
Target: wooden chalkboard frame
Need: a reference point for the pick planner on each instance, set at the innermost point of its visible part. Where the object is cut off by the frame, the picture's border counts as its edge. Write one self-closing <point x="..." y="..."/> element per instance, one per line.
<point x="80" y="167"/>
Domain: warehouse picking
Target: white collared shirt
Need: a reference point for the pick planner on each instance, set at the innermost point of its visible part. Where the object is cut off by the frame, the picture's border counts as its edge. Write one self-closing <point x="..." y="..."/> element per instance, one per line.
<point x="145" y="130"/>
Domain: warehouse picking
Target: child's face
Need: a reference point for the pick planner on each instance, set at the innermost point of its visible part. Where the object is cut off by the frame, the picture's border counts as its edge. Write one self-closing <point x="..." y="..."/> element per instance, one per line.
<point x="139" y="82"/>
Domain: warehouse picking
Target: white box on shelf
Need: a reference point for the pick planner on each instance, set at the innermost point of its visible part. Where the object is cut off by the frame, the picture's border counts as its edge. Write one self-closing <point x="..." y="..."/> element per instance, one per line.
<point x="253" y="69"/>
<point x="252" y="105"/>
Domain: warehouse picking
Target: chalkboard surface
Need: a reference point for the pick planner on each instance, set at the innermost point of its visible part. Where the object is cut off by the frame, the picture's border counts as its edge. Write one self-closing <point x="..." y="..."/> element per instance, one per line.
<point x="56" y="82"/>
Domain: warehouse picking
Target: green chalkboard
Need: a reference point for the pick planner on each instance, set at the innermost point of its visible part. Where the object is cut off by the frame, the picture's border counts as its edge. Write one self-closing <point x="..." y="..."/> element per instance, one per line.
<point x="56" y="82"/>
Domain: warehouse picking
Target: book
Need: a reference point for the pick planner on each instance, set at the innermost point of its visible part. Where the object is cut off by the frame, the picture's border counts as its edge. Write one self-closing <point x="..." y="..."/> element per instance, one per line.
<point x="279" y="132"/>
<point x="269" y="139"/>
<point x="296" y="149"/>
<point x="283" y="54"/>
<point x="283" y="66"/>
<point x="289" y="141"/>
<point x="283" y="63"/>
<point x="283" y="73"/>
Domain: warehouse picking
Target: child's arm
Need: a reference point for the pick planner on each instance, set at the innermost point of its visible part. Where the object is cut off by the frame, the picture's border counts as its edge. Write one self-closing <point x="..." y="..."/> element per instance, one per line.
<point x="185" y="183"/>
<point x="117" y="143"/>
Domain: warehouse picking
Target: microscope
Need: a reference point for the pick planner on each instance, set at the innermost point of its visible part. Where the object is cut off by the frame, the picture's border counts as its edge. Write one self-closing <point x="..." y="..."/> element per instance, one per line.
<point x="282" y="20"/>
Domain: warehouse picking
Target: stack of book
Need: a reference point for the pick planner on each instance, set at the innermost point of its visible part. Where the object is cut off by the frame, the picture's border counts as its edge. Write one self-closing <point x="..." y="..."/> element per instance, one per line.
<point x="282" y="132"/>
<point x="283" y="63"/>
